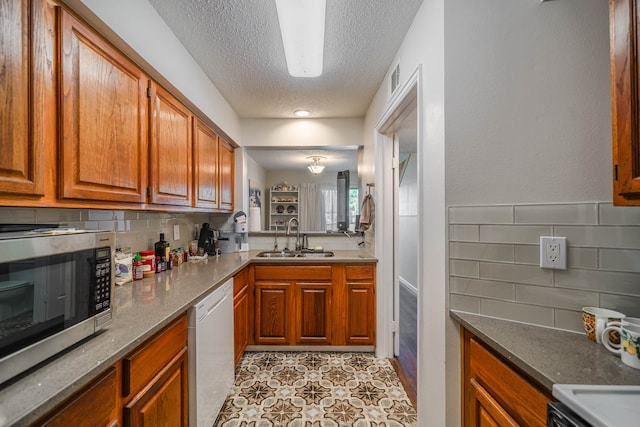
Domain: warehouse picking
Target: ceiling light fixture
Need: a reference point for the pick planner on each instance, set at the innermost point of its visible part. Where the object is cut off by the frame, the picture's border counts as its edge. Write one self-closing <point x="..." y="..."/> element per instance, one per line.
<point x="315" y="167"/>
<point x="302" y="113"/>
<point x="302" y="30"/>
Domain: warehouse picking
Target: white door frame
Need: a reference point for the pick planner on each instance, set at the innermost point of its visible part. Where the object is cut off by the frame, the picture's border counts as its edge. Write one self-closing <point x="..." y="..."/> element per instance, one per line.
<point x="386" y="228"/>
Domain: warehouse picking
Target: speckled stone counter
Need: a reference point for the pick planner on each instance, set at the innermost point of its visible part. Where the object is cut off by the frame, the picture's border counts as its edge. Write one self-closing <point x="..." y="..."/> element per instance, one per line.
<point x="550" y="356"/>
<point x="142" y="308"/>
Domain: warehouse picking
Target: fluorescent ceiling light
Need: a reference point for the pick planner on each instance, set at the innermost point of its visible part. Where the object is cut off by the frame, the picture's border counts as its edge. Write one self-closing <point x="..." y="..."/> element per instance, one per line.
<point x="302" y="29"/>
<point x="315" y="167"/>
<point x="302" y="113"/>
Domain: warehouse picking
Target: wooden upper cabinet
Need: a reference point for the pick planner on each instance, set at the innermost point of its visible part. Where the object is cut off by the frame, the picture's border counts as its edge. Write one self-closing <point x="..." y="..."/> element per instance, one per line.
<point x="226" y="165"/>
<point x="170" y="151"/>
<point x="205" y="175"/>
<point x="27" y="94"/>
<point x="625" y="92"/>
<point x="103" y="120"/>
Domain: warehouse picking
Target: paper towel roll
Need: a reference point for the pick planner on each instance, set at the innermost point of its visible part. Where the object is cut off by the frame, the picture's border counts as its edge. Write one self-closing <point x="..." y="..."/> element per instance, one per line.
<point x="254" y="219"/>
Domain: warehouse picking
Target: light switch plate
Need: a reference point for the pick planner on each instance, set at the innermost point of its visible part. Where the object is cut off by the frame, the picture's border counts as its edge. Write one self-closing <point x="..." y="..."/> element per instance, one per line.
<point x="553" y="252"/>
<point x="176" y="232"/>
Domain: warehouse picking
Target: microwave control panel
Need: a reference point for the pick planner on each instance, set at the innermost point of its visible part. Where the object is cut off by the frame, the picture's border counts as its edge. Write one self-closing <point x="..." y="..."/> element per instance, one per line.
<point x="102" y="279"/>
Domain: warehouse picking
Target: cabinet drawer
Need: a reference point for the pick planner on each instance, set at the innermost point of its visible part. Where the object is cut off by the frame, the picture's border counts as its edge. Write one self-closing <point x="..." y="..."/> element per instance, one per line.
<point x="139" y="367"/>
<point x="359" y="272"/>
<point x="240" y="280"/>
<point x="523" y="401"/>
<point x="282" y="272"/>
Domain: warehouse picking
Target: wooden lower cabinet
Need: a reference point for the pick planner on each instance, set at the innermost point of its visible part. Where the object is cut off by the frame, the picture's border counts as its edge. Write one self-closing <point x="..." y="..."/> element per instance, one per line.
<point x="148" y="387"/>
<point x="94" y="406"/>
<point x="324" y="304"/>
<point x="496" y="394"/>
<point x="313" y="313"/>
<point x="273" y="313"/>
<point x="240" y="313"/>
<point x="164" y="401"/>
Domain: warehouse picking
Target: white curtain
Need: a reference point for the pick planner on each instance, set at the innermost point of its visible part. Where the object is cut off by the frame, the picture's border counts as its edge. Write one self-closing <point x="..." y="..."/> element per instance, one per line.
<point x="317" y="207"/>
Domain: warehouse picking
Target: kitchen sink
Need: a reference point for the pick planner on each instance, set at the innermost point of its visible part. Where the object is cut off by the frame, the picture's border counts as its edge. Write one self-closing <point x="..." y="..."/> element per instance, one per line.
<point x="279" y="254"/>
<point x="293" y="254"/>
<point x="316" y="254"/>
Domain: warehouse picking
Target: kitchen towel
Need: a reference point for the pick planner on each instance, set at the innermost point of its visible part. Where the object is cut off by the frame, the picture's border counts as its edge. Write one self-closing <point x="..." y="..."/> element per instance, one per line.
<point x="367" y="212"/>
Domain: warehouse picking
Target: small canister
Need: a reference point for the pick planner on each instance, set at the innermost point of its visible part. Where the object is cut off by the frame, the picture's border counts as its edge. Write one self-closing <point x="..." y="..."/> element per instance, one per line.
<point x="149" y="260"/>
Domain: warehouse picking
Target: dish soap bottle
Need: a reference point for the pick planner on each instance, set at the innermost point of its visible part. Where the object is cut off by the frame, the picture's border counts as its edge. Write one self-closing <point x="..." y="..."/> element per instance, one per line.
<point x="162" y="248"/>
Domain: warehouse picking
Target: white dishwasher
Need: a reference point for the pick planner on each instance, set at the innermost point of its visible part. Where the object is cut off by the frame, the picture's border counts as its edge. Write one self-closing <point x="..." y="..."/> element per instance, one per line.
<point x="210" y="355"/>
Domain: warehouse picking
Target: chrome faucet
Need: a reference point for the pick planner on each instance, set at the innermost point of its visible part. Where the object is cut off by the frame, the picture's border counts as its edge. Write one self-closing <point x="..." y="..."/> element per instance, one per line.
<point x="275" y="239"/>
<point x="297" y="231"/>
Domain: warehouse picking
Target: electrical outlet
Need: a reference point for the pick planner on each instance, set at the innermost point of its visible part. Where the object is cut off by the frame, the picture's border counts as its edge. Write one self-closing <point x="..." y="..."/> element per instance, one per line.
<point x="176" y="232"/>
<point x="553" y="252"/>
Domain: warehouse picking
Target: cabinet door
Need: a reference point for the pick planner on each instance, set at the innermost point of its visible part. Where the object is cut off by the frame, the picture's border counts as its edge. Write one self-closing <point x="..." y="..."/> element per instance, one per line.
<point x="170" y="151"/>
<point x="226" y="166"/>
<point x="484" y="411"/>
<point x="360" y="310"/>
<point x="94" y="406"/>
<point x="625" y="92"/>
<point x="360" y="313"/>
<point x="164" y="401"/>
<point x="273" y="310"/>
<point x="240" y="323"/>
<point x="489" y="381"/>
<point x="205" y="174"/>
<point x="313" y="313"/>
<point x="103" y="119"/>
<point x="27" y="94"/>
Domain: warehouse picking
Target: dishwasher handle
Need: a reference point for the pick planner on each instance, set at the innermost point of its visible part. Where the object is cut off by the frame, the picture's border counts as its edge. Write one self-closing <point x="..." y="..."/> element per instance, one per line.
<point x="212" y="302"/>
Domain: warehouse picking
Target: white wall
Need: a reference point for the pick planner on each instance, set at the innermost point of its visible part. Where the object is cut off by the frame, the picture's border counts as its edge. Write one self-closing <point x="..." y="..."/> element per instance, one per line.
<point x="301" y="132"/>
<point x="258" y="175"/>
<point x="527" y="101"/>
<point x="138" y="24"/>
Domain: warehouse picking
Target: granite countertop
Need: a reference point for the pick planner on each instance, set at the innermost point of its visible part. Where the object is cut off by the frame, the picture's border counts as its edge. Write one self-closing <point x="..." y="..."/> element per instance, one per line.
<point x="142" y="308"/>
<point x="550" y="356"/>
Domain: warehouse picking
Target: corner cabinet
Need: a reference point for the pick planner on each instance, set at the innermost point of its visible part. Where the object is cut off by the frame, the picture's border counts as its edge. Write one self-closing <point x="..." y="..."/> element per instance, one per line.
<point x="625" y="92"/>
<point x="495" y="394"/>
<point x="27" y="90"/>
<point x="103" y="135"/>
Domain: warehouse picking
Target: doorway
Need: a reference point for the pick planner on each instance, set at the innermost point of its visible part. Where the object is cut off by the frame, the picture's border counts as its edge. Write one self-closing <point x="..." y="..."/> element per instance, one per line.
<point x="397" y="145"/>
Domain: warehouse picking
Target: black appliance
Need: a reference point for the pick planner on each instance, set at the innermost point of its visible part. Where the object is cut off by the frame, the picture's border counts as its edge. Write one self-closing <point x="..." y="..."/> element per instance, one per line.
<point x="559" y="415"/>
<point x="56" y="288"/>
<point x="208" y="239"/>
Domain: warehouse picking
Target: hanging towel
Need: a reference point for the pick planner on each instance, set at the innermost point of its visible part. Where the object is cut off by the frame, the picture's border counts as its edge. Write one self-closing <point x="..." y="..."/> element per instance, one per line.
<point x="367" y="212"/>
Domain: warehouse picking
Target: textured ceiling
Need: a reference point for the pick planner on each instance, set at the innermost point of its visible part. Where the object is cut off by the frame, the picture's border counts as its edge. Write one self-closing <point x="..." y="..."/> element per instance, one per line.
<point x="237" y="43"/>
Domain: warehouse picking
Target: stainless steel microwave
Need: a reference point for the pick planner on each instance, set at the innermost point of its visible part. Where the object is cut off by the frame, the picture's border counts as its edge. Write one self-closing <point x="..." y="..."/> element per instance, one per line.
<point x="56" y="288"/>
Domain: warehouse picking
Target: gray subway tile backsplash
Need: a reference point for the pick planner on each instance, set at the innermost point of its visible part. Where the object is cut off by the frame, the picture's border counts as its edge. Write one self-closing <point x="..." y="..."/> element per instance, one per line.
<point x="586" y="213"/>
<point x="603" y="261"/>
<point x="620" y="260"/>
<point x="481" y="215"/>
<point x="481" y="251"/>
<point x="526" y="234"/>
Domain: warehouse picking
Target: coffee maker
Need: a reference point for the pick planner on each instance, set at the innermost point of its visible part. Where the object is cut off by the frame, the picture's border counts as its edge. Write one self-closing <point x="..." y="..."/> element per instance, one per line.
<point x="208" y="239"/>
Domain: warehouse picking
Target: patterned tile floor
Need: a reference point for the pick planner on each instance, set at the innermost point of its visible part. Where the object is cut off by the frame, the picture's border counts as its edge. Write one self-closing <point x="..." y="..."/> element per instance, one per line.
<point x="309" y="389"/>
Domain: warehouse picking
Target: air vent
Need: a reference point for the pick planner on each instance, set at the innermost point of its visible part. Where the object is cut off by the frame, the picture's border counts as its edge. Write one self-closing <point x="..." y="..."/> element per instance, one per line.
<point x="395" y="78"/>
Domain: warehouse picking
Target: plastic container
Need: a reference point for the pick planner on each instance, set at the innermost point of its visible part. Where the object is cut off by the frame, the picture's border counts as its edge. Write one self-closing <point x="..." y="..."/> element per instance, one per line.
<point x="149" y="260"/>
